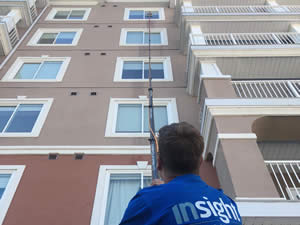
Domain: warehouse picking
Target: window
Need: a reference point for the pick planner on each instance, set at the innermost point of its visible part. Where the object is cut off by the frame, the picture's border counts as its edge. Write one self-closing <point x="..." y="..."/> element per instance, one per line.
<point x="58" y="37"/>
<point x="140" y="36"/>
<point x="110" y="203"/>
<point x="71" y="14"/>
<point x="22" y="117"/>
<point x="129" y="117"/>
<point x="4" y="178"/>
<point x="137" y="69"/>
<point x="143" y="13"/>
<point x="37" y="69"/>
<point x="9" y="179"/>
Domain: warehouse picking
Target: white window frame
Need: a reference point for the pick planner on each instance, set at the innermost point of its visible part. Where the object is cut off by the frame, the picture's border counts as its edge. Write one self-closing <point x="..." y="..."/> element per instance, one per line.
<point x="38" y="34"/>
<point x="161" y="13"/>
<point x="100" y="202"/>
<point x="47" y="102"/>
<point x="53" y="12"/>
<point x="113" y="112"/>
<point x="16" y="66"/>
<point x="166" y="64"/>
<point x="162" y="31"/>
<point x="16" y="172"/>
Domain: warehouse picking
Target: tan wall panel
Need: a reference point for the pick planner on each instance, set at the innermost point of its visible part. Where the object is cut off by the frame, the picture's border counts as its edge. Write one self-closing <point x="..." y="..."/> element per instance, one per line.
<point x="104" y="14"/>
<point x="81" y="119"/>
<point x="97" y="70"/>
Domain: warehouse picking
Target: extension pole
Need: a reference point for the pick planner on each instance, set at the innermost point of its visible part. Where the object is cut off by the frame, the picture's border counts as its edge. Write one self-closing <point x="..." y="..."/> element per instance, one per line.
<point x="153" y="145"/>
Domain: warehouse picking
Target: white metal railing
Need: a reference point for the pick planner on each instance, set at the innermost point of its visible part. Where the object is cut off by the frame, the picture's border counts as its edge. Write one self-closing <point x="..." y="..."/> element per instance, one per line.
<point x="286" y="177"/>
<point x="230" y="39"/>
<point x="240" y="10"/>
<point x="267" y="88"/>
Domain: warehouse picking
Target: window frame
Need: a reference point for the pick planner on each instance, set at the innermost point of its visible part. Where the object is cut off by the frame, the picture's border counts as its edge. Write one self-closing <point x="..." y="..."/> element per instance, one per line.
<point x="46" y="102"/>
<point x="166" y="64"/>
<point x="111" y="122"/>
<point x="20" y="61"/>
<point x="38" y="34"/>
<point x="16" y="172"/>
<point x="100" y="201"/>
<point x="53" y="12"/>
<point x="161" y="13"/>
<point x="162" y="31"/>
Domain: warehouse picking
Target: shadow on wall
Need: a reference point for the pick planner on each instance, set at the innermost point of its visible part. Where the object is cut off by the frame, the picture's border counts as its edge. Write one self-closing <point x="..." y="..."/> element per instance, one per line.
<point x="278" y="137"/>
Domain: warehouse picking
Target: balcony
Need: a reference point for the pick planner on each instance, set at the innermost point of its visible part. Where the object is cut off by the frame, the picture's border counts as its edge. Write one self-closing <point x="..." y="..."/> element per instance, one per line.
<point x="9" y="32"/>
<point x="240" y="10"/>
<point x="246" y="39"/>
<point x="286" y="177"/>
<point x="267" y="88"/>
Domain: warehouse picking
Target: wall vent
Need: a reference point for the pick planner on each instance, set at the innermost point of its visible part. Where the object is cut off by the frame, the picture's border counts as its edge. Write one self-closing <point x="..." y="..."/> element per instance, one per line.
<point x="53" y="156"/>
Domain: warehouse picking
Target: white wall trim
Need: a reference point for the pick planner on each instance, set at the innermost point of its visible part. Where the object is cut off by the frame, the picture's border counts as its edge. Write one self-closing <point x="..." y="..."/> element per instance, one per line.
<point x="99" y="208"/>
<point x="162" y="31"/>
<point x="269" y="209"/>
<point x="166" y="64"/>
<point x="53" y="12"/>
<point x="38" y="34"/>
<point x="16" y="172"/>
<point x="161" y="13"/>
<point x="16" y="66"/>
<point x="246" y="51"/>
<point x="73" y="3"/>
<point x="47" y="102"/>
<point x="70" y="150"/>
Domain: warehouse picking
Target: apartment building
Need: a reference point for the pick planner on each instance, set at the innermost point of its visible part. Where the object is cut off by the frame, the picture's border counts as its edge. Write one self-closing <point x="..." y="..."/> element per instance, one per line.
<point x="243" y="67"/>
<point x="73" y="104"/>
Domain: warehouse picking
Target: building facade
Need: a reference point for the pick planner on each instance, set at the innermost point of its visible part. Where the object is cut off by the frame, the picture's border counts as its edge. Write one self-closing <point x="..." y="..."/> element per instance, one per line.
<point x="73" y="103"/>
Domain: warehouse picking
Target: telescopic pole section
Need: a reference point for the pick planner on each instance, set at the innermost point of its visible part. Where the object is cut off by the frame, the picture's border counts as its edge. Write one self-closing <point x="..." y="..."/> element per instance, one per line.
<point x="152" y="140"/>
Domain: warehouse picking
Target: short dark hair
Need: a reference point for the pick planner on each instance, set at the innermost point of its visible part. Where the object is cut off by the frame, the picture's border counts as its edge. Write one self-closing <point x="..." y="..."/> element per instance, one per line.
<point x="180" y="148"/>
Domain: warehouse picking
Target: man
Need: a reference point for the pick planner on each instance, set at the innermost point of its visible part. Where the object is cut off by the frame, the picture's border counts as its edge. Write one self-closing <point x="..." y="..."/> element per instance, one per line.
<point x="184" y="198"/>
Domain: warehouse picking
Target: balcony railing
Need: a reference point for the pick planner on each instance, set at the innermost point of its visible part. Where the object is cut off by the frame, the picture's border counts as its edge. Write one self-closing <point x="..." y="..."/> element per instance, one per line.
<point x="286" y="177"/>
<point x="245" y="39"/>
<point x="267" y="88"/>
<point x="240" y="10"/>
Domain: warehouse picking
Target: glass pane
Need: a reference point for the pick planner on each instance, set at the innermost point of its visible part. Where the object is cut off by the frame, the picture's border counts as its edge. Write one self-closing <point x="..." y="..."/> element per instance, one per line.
<point x="129" y="119"/>
<point x="61" y="15"/>
<point x="27" y="71"/>
<point x="155" y="38"/>
<point x="134" y="37"/>
<point x="4" y="178"/>
<point x="132" y="70"/>
<point x="48" y="70"/>
<point x="5" y="114"/>
<point x="122" y="188"/>
<point x="47" y="38"/>
<point x="65" y="38"/>
<point x="160" y="117"/>
<point x="157" y="70"/>
<point x="24" y="119"/>
<point x="155" y="15"/>
<point x="136" y="14"/>
<point x="77" y="14"/>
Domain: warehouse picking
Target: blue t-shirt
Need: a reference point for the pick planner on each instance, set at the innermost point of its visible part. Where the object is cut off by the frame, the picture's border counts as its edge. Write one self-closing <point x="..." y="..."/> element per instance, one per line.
<point x="184" y="200"/>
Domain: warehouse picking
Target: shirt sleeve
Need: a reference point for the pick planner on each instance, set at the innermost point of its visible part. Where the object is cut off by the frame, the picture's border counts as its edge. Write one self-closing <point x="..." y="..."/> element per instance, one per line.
<point x="137" y="212"/>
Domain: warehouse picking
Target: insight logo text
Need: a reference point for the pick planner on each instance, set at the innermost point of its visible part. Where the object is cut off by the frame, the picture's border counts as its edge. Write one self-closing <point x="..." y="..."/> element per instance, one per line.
<point x="205" y="209"/>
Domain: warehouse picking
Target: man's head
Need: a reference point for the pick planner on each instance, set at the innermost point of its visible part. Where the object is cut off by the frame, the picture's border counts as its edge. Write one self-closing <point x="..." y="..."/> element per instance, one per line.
<point x="180" y="149"/>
